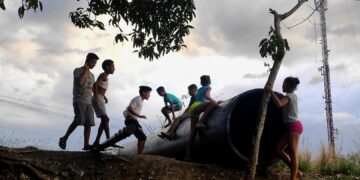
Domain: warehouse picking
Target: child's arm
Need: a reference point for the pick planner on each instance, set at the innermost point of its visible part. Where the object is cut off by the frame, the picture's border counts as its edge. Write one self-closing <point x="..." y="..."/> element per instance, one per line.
<point x="208" y="97"/>
<point x="172" y="109"/>
<point x="84" y="75"/>
<point x="278" y="102"/>
<point x="131" y="110"/>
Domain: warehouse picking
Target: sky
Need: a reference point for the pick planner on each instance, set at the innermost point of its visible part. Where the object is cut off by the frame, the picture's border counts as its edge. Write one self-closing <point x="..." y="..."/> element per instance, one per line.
<point x="39" y="52"/>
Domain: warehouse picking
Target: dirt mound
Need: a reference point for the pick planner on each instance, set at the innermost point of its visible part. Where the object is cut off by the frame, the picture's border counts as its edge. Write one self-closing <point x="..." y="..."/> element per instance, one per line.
<point x="32" y="163"/>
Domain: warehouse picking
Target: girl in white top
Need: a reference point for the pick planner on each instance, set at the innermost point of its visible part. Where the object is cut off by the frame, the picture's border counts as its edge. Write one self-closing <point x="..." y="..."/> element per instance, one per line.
<point x="290" y="119"/>
<point x="99" y="99"/>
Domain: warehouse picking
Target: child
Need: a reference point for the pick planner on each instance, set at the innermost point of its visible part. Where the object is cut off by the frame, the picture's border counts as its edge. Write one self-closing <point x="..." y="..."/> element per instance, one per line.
<point x="99" y="99"/>
<point x="82" y="91"/>
<point x="172" y="104"/>
<point x="192" y="89"/>
<point x="132" y="126"/>
<point x="290" y="119"/>
<point x="204" y="103"/>
<point x="133" y="112"/>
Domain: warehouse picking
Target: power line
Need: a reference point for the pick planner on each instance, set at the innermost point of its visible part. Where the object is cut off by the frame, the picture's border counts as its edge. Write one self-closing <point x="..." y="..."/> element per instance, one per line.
<point x="35" y="103"/>
<point x="33" y="108"/>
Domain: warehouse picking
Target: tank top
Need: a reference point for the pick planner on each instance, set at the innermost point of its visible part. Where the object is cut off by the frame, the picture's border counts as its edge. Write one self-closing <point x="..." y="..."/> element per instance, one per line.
<point x="290" y="110"/>
<point x="103" y="84"/>
<point x="200" y="96"/>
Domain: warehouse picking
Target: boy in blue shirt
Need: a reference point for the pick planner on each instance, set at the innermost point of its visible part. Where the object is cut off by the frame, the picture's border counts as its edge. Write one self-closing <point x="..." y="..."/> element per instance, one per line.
<point x="172" y="104"/>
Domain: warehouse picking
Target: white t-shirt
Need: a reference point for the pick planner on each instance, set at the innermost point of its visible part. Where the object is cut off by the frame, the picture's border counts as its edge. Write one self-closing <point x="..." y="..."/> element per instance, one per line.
<point x="290" y="110"/>
<point x="136" y="104"/>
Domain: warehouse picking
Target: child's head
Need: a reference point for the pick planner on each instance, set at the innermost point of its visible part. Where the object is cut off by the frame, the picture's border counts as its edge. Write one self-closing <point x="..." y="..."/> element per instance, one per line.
<point x="161" y="91"/>
<point x="108" y="66"/>
<point x="145" y="91"/>
<point x="290" y="84"/>
<point x="192" y="89"/>
<point x="91" y="59"/>
<point x="205" y="80"/>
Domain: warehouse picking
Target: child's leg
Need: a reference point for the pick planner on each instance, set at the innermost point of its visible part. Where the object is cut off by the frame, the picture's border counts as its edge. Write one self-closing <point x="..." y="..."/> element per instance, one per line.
<point x="87" y="131"/>
<point x="165" y="111"/>
<point x="192" y="135"/>
<point x="280" y="147"/>
<point x="173" y="127"/>
<point x="98" y="136"/>
<point x="293" y="145"/>
<point x="141" y="146"/>
<point x="105" y="119"/>
<point x="209" y="107"/>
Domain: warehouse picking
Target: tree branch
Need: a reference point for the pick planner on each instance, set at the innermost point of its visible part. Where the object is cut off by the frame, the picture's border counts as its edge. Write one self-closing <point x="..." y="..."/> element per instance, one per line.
<point x="289" y="13"/>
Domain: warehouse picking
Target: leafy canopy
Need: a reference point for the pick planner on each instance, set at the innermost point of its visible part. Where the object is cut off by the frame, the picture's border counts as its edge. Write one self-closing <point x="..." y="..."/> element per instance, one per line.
<point x="271" y="46"/>
<point x="158" y="26"/>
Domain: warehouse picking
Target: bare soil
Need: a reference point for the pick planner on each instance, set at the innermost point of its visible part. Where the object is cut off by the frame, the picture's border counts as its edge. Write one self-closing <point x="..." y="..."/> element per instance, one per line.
<point x="32" y="163"/>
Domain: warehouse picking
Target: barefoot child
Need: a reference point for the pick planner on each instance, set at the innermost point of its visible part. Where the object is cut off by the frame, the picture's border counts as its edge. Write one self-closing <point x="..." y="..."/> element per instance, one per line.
<point x="82" y="91"/>
<point x="192" y="89"/>
<point x="99" y="99"/>
<point x="172" y="104"/>
<point x="291" y="120"/>
<point x="204" y="103"/>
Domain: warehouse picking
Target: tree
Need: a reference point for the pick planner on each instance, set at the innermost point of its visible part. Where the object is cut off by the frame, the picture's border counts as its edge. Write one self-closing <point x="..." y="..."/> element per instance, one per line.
<point x="158" y="26"/>
<point x="275" y="47"/>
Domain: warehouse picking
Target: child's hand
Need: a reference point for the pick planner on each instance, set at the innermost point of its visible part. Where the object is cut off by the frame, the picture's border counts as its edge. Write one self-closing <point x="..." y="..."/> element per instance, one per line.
<point x="86" y="69"/>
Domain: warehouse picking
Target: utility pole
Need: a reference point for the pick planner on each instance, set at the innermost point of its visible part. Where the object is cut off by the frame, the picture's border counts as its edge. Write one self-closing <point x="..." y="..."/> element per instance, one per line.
<point x="325" y="72"/>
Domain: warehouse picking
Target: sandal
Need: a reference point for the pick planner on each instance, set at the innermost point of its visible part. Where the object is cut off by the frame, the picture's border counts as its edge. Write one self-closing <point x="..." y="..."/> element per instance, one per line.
<point x="62" y="143"/>
<point x="166" y="136"/>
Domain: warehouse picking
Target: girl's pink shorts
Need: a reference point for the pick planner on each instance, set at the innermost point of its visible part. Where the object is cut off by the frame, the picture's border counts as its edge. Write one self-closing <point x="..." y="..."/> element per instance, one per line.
<point x="295" y="127"/>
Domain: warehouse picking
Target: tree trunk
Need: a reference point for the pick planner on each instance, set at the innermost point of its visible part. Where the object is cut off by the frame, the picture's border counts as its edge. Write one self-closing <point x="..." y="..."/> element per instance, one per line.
<point x="266" y="97"/>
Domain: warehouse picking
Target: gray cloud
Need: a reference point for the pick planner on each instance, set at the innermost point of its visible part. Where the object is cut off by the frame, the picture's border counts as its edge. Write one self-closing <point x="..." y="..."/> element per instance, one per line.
<point x="316" y="79"/>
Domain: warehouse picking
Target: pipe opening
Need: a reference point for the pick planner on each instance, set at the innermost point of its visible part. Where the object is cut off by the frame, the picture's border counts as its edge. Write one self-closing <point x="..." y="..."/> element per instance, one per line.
<point x="242" y="122"/>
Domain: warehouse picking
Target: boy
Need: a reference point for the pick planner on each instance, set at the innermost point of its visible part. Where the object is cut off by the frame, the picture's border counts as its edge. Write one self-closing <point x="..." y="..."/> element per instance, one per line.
<point x="172" y="104"/>
<point x="132" y="113"/>
<point x="99" y="99"/>
<point x="192" y="90"/>
<point x="82" y="91"/>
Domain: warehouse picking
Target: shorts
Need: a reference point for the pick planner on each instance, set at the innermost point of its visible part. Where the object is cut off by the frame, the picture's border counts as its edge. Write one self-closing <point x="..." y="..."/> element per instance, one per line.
<point x="139" y="133"/>
<point x="84" y="114"/>
<point x="192" y="107"/>
<point x="295" y="127"/>
<point x="168" y="109"/>
<point x="100" y="106"/>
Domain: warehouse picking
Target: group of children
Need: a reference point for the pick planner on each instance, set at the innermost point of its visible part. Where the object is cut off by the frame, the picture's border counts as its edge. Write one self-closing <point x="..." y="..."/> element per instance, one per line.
<point x="89" y="96"/>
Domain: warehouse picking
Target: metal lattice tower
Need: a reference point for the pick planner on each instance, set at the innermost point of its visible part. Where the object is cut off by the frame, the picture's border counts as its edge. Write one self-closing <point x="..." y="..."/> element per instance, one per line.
<point x="325" y="72"/>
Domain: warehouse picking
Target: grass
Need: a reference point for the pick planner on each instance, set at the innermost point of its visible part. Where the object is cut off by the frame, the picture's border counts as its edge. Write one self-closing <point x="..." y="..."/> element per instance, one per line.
<point x="333" y="166"/>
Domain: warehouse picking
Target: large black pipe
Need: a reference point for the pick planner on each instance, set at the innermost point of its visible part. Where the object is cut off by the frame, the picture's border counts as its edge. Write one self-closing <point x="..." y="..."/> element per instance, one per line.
<point x="227" y="137"/>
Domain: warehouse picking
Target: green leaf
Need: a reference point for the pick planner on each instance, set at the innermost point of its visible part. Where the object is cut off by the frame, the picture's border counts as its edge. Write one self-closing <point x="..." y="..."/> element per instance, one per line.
<point x="21" y="11"/>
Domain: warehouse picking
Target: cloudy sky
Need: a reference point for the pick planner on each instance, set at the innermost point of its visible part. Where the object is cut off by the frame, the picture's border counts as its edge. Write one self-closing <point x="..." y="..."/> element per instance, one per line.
<point x="38" y="55"/>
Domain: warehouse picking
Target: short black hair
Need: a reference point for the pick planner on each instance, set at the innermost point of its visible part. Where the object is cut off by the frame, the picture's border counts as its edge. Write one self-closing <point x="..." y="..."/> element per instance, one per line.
<point x="205" y="80"/>
<point x="91" y="56"/>
<point x="144" y="89"/>
<point x="160" y="89"/>
<point x="107" y="63"/>
<point x="292" y="82"/>
<point x="192" y="86"/>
